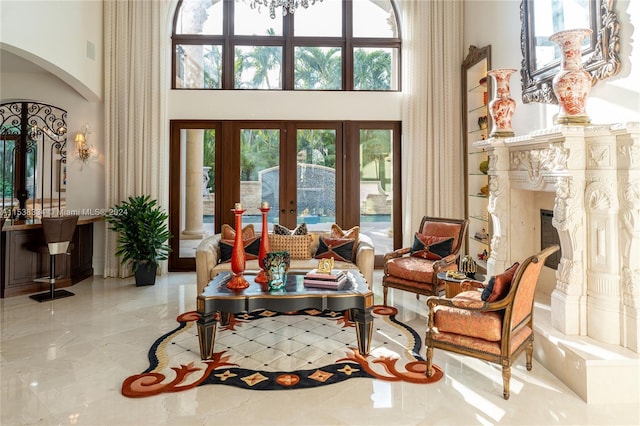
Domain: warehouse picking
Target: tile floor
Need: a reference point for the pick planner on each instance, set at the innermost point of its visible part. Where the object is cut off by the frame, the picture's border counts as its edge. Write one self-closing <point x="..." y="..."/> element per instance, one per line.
<point x="63" y="362"/>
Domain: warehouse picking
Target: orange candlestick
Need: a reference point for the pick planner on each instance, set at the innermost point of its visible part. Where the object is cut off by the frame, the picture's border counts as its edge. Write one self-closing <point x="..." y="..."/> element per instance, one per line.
<point x="264" y="244"/>
<point x="238" y="262"/>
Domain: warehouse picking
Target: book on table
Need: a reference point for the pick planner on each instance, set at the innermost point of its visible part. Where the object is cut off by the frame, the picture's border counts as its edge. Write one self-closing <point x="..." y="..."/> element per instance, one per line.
<point x="332" y="276"/>
<point x="340" y="284"/>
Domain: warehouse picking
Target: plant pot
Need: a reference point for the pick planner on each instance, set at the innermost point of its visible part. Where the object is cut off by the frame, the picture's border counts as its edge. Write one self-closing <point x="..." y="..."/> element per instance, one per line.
<point x="146" y="275"/>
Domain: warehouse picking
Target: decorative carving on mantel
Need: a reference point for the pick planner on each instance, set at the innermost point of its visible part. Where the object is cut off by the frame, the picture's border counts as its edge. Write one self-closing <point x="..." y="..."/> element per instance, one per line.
<point x="599" y="155"/>
<point x="631" y="195"/>
<point x="536" y="161"/>
<point x="632" y="152"/>
<point x="599" y="197"/>
<point x="630" y="212"/>
<point x="498" y="208"/>
<point x="564" y="193"/>
<point x="631" y="287"/>
<point x="569" y="272"/>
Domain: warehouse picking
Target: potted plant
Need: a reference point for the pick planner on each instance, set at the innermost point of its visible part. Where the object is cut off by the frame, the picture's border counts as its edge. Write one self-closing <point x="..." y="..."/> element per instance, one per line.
<point x="143" y="235"/>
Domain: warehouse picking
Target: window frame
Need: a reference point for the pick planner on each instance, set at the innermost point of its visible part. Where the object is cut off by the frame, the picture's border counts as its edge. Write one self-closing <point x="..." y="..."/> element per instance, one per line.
<point x="288" y="42"/>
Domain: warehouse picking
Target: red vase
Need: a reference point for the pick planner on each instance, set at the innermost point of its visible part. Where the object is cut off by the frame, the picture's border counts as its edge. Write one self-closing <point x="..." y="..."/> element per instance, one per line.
<point x="502" y="106"/>
<point x="264" y="244"/>
<point x="572" y="83"/>
<point x="238" y="261"/>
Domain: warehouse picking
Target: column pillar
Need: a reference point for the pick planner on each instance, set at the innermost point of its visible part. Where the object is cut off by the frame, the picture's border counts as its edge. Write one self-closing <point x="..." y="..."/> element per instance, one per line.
<point x="193" y="211"/>
<point x="569" y="298"/>
<point x="499" y="206"/>
<point x="603" y="269"/>
<point x="628" y="158"/>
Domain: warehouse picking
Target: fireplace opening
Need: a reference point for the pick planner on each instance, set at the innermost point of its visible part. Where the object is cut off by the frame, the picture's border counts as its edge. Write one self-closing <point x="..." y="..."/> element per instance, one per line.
<point x="548" y="237"/>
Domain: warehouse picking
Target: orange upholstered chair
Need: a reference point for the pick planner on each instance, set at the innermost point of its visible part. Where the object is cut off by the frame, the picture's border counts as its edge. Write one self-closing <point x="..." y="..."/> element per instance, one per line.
<point x="436" y="248"/>
<point x="496" y="330"/>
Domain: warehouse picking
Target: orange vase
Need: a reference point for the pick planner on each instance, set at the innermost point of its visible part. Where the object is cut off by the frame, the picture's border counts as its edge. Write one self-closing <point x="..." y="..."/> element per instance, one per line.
<point x="264" y="244"/>
<point x="238" y="261"/>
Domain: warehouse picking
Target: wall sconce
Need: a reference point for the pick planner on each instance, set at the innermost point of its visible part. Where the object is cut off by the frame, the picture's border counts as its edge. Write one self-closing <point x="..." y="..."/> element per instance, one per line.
<point x="83" y="150"/>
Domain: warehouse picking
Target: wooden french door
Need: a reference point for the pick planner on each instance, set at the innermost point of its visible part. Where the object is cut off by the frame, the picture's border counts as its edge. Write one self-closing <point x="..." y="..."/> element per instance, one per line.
<point x="314" y="172"/>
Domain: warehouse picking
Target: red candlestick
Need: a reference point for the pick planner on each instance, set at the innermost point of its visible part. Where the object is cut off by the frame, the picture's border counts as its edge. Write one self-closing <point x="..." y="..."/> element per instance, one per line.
<point x="238" y="263"/>
<point x="264" y="244"/>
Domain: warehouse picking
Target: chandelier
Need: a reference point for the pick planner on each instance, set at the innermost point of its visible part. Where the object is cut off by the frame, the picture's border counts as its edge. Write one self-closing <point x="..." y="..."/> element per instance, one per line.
<point x="288" y="6"/>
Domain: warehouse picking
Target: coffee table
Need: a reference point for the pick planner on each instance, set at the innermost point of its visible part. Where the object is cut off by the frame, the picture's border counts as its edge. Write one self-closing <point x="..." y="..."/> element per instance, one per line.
<point x="218" y="299"/>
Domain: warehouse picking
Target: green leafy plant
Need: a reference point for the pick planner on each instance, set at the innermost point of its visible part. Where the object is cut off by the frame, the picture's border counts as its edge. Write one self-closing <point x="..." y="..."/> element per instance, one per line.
<point x="143" y="233"/>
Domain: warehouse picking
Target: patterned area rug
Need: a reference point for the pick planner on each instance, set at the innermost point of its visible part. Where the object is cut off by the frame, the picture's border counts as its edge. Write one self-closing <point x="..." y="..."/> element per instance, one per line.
<point x="266" y="350"/>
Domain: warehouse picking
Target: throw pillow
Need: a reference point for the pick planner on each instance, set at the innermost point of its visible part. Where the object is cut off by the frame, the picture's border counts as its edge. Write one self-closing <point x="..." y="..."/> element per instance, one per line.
<point x="228" y="233"/>
<point x="251" y="249"/>
<point x="283" y="230"/>
<point x="353" y="234"/>
<point x="227" y="240"/>
<point x="498" y="286"/>
<point x="431" y="247"/>
<point x="337" y="232"/>
<point x="298" y="246"/>
<point x="339" y="248"/>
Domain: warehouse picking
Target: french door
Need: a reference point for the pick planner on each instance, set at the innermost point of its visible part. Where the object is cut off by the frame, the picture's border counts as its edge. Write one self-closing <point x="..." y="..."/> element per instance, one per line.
<point x="309" y="172"/>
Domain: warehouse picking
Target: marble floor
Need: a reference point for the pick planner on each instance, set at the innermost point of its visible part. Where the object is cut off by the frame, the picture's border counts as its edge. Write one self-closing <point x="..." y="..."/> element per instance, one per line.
<point x="63" y="362"/>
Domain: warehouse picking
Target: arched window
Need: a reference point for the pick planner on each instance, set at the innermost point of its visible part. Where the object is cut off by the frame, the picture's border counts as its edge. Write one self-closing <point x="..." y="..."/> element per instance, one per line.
<point x="331" y="45"/>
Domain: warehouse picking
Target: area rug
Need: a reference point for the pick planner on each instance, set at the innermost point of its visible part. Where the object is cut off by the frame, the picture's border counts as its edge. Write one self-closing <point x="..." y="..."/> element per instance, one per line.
<point x="267" y="350"/>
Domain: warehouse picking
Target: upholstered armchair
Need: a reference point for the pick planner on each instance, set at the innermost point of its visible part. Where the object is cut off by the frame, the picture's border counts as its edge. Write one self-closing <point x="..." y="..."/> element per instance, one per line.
<point x="495" y="325"/>
<point x="436" y="248"/>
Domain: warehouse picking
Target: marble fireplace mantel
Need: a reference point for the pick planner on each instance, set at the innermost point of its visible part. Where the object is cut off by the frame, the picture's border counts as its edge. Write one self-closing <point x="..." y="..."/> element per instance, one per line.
<point x="593" y="174"/>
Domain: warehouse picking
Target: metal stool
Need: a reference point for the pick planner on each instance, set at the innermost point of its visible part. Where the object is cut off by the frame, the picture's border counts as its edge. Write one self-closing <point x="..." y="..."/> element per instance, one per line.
<point x="58" y="233"/>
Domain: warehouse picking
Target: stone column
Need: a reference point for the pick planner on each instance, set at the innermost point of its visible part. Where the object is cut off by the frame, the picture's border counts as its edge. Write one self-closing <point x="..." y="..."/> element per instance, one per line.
<point x="193" y="209"/>
<point x="499" y="206"/>
<point x="628" y="154"/>
<point x="569" y="298"/>
<point x="603" y="270"/>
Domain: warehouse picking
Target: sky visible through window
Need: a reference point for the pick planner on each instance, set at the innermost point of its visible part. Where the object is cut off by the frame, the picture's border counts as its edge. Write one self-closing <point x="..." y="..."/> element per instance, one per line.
<point x="320" y="19"/>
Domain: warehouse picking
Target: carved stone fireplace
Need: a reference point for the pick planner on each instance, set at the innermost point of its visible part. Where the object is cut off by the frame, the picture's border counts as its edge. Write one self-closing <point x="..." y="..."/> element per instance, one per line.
<point x="590" y="177"/>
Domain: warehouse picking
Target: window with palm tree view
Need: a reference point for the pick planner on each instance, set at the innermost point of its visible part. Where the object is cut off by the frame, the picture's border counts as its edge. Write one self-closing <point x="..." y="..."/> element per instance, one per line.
<point x="317" y="172"/>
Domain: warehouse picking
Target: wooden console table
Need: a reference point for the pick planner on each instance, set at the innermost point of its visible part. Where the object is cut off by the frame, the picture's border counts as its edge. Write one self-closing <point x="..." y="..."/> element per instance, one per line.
<point x="19" y="266"/>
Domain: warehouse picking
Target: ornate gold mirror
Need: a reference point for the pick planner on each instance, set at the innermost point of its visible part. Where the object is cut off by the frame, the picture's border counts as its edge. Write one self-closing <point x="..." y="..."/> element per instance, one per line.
<point x="541" y="58"/>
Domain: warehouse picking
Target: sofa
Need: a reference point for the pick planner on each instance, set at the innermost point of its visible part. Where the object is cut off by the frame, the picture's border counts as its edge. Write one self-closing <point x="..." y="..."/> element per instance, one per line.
<point x="209" y="252"/>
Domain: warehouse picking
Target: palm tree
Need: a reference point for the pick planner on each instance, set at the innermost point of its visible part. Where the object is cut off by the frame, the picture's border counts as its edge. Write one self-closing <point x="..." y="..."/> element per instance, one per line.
<point x="318" y="68"/>
<point x="263" y="61"/>
<point x="372" y="70"/>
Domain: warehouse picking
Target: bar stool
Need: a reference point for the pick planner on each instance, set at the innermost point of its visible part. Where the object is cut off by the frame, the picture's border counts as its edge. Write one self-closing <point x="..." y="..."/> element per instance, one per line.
<point x="58" y="233"/>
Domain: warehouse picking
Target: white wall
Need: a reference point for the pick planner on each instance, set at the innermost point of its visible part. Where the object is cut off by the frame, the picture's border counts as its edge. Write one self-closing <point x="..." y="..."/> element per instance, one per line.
<point x="63" y="37"/>
<point x="262" y="105"/>
<point x="53" y="35"/>
<point x="616" y="99"/>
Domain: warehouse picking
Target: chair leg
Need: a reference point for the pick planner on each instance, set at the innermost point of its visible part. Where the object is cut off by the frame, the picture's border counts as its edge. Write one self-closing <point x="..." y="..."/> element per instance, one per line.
<point x="429" y="361"/>
<point x="385" y="290"/>
<point x="506" y="378"/>
<point x="529" y="355"/>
